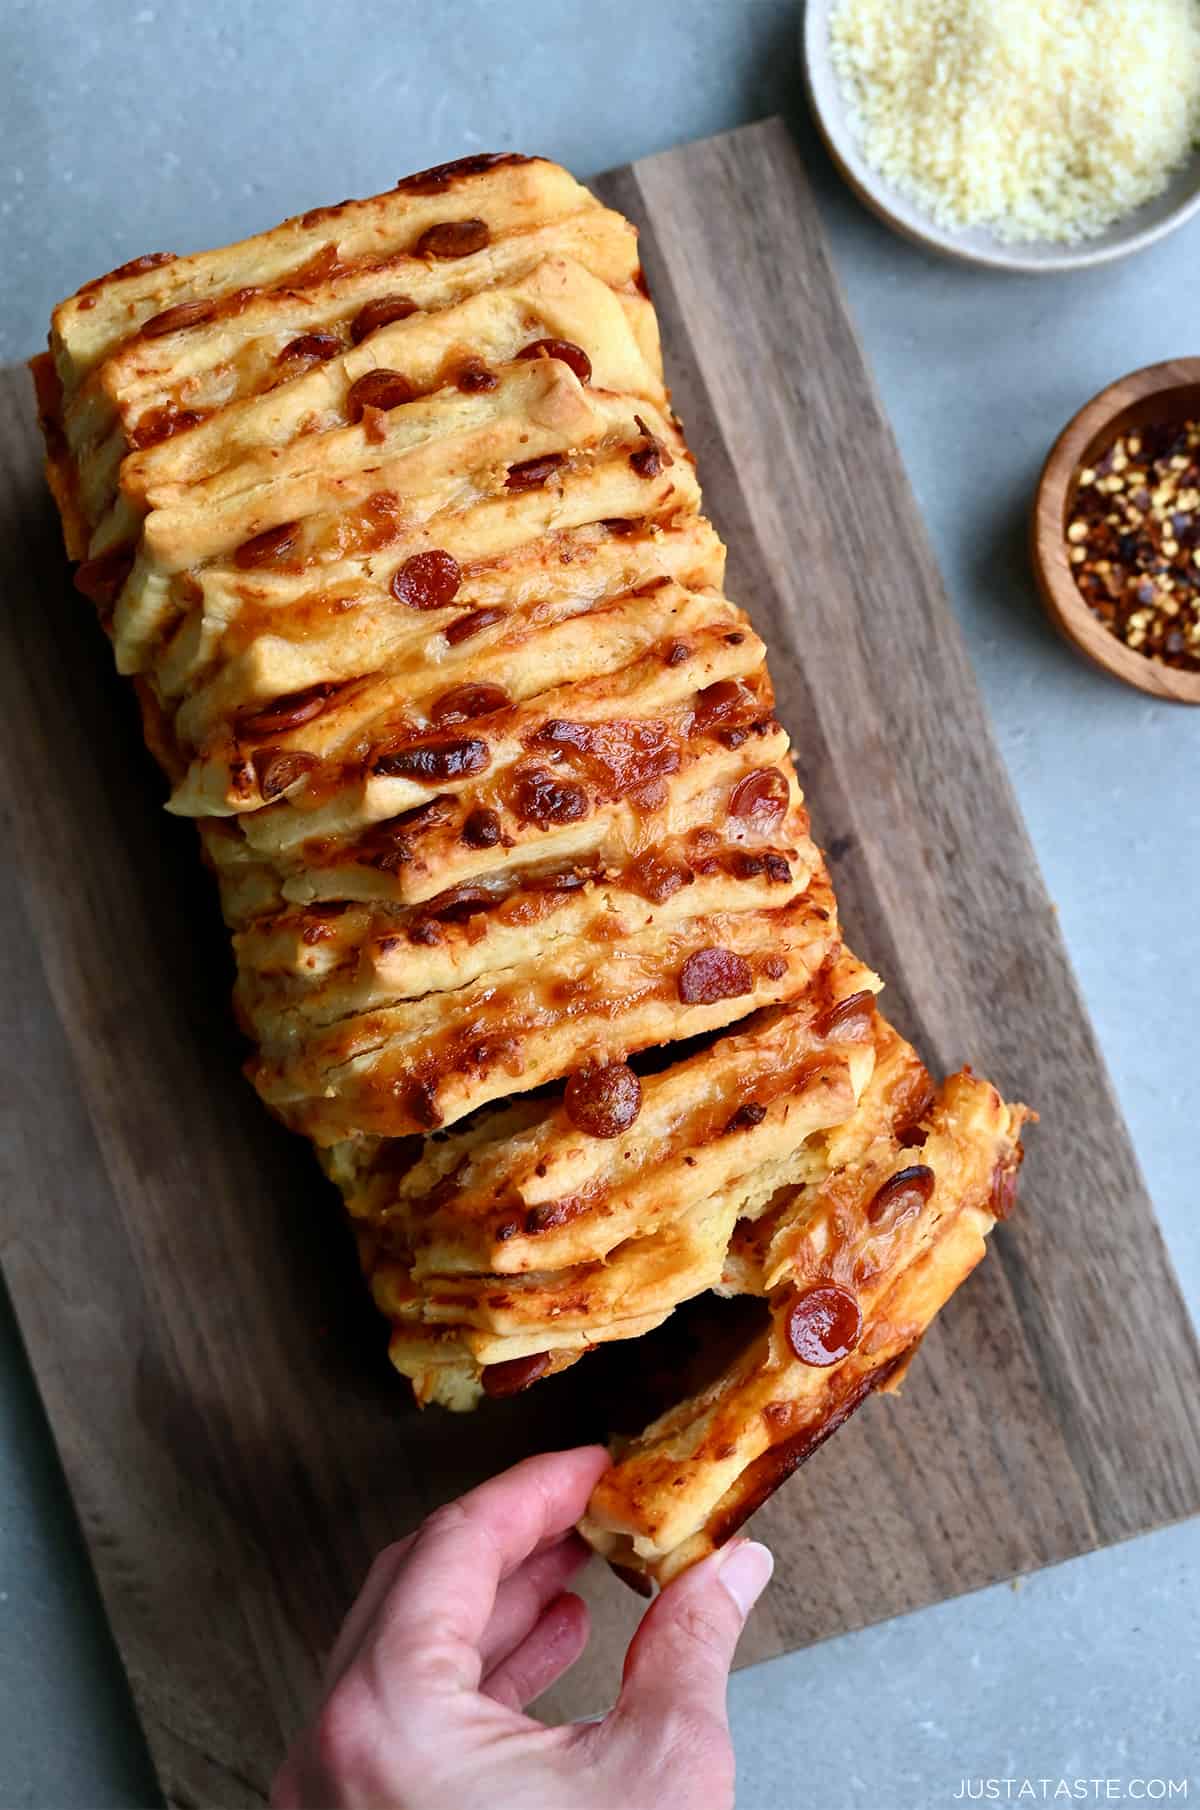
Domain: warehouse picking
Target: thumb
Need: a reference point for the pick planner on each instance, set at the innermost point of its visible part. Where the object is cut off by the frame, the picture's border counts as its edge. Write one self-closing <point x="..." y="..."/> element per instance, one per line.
<point x="680" y="1657"/>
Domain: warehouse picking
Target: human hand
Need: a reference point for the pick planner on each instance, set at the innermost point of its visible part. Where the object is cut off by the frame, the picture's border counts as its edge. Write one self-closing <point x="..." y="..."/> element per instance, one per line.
<point x="461" y="1625"/>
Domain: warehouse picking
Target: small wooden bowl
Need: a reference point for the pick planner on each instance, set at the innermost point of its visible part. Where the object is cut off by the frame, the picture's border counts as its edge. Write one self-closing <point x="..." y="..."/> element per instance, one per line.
<point x="1165" y="392"/>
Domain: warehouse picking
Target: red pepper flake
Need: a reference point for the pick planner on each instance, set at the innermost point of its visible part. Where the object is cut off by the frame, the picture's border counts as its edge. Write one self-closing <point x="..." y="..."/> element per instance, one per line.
<point x="1133" y="541"/>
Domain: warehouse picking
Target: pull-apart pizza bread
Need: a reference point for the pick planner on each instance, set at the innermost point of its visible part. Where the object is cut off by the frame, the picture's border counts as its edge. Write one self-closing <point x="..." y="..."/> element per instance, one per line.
<point x="388" y="518"/>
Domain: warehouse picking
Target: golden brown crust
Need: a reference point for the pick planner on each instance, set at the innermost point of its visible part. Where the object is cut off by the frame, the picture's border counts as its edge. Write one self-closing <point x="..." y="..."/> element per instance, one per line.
<point x="389" y="520"/>
<point x="854" y="1270"/>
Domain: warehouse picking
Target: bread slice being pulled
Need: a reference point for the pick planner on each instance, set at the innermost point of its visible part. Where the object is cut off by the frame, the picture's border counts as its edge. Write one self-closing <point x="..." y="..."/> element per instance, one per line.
<point x="389" y="521"/>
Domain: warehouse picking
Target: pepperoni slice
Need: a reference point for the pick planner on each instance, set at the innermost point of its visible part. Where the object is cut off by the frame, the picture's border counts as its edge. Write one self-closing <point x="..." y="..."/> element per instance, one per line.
<point x="658" y="878"/>
<point x="760" y="799"/>
<point x="711" y="974"/>
<point x="1004" y="1187"/>
<point x="481" y="828"/>
<point x="466" y="701"/>
<point x="563" y="879"/>
<point x="429" y="762"/>
<point x="567" y="353"/>
<point x="649" y="460"/>
<point x="604" y="1102"/>
<point x="287" y="712"/>
<point x="380" y="313"/>
<point x="514" y="1375"/>
<point x="824" y="1324"/>
<point x="718" y="702"/>
<point x="427" y="581"/>
<point x="309" y="349"/>
<point x="378" y="390"/>
<point x="531" y="474"/>
<point x="174" y="320"/>
<point x="453" y="239"/>
<point x="463" y="627"/>
<point x="278" y="768"/>
<point x="903" y="1195"/>
<point x="542" y="798"/>
<point x="162" y="424"/>
<point x="847" y="1017"/>
<point x="265" y="548"/>
<point x="473" y="378"/>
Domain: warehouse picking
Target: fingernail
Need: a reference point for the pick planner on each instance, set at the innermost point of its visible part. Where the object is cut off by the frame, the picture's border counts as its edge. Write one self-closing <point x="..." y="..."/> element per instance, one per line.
<point x="747" y="1572"/>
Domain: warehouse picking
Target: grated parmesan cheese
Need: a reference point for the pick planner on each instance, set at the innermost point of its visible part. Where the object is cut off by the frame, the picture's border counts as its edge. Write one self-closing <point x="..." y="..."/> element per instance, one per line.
<point x="1039" y="119"/>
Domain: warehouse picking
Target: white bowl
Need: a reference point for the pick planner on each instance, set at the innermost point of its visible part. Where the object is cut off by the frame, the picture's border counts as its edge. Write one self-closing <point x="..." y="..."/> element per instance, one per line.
<point x="973" y="245"/>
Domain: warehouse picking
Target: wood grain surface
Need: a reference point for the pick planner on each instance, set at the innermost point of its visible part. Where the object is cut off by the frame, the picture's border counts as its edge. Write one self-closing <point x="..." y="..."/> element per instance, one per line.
<point x="216" y="1379"/>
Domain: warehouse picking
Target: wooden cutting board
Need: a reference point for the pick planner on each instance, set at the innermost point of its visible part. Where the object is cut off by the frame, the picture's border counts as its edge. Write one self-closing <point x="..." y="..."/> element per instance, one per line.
<point x="235" y="1442"/>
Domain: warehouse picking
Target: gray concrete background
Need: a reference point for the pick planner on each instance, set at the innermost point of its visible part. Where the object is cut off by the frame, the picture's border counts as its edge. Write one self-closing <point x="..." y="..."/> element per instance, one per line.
<point x="130" y="127"/>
